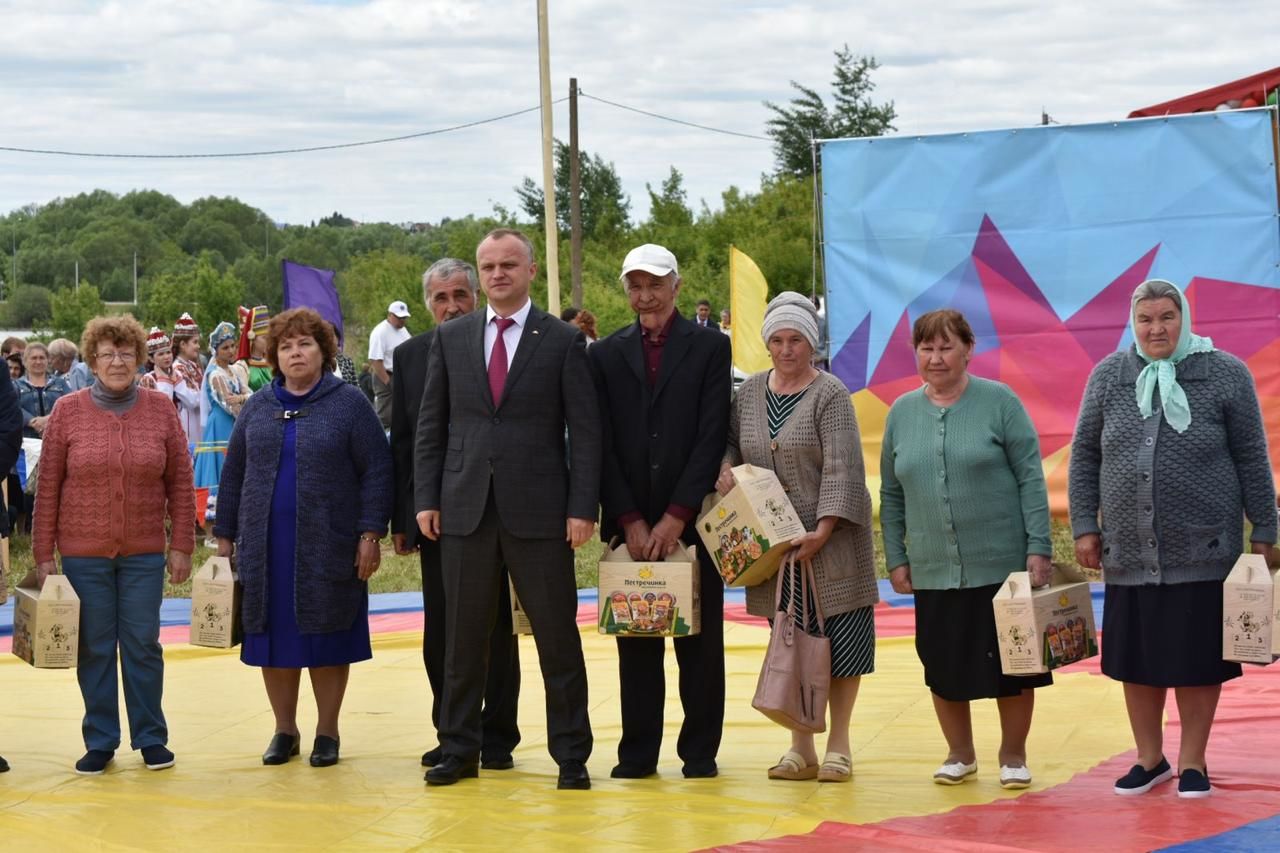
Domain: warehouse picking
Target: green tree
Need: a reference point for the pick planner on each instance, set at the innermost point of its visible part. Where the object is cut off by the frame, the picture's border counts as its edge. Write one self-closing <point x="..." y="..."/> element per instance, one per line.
<point x="211" y="296"/>
<point x="28" y="307"/>
<point x="605" y="207"/>
<point x="72" y="310"/>
<point x="372" y="282"/>
<point x="852" y="114"/>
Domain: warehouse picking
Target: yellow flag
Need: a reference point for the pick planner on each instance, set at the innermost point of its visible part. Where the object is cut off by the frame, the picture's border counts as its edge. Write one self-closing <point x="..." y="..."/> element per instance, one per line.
<point x="748" y="295"/>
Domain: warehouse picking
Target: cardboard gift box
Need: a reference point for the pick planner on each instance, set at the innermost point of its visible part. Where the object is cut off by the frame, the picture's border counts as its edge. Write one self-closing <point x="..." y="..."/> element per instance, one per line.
<point x="520" y="623"/>
<point x="1042" y="629"/>
<point x="1250" y="609"/>
<point x="647" y="599"/>
<point x="215" y="605"/>
<point x="748" y="531"/>
<point x="46" y="622"/>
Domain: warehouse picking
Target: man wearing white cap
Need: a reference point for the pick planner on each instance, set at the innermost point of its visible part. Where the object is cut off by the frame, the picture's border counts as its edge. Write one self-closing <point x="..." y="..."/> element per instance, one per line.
<point x="383" y="340"/>
<point x="664" y="386"/>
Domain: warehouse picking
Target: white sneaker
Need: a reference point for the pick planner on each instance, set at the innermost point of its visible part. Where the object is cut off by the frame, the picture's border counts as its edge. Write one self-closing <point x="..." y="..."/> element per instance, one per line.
<point x="954" y="772"/>
<point x="1015" y="777"/>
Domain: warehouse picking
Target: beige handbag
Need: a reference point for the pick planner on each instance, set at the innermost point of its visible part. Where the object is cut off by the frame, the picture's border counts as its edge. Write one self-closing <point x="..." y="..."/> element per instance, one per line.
<point x="796" y="676"/>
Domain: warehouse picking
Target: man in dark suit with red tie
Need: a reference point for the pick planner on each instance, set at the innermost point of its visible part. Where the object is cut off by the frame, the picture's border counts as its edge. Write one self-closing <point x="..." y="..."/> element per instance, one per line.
<point x="664" y="385"/>
<point x="497" y="483"/>
<point x="449" y="289"/>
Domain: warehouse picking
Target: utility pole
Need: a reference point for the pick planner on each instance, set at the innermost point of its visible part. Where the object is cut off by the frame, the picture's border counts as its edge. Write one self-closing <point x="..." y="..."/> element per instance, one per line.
<point x="575" y="196"/>
<point x="77" y="275"/>
<point x="548" y="165"/>
<point x="266" y="238"/>
<point x="135" y="277"/>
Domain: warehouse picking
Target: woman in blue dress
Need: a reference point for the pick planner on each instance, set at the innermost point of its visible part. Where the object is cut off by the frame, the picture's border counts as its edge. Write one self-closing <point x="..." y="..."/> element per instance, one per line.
<point x="225" y="390"/>
<point x="305" y="498"/>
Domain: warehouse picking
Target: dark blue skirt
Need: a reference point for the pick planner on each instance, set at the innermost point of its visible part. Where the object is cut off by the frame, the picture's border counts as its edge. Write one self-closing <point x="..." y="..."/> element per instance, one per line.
<point x="283" y="644"/>
<point x="1166" y="635"/>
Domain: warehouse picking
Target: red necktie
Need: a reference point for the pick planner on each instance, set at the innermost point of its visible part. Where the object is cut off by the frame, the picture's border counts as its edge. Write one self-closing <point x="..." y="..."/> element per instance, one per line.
<point x="498" y="359"/>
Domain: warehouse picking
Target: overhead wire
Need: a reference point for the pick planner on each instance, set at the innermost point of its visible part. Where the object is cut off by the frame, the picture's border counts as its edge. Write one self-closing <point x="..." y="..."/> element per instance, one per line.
<point x="381" y="141"/>
<point x="306" y="150"/>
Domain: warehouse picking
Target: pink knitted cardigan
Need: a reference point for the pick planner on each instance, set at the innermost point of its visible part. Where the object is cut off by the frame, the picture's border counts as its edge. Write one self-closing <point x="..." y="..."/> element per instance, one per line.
<point x="107" y="482"/>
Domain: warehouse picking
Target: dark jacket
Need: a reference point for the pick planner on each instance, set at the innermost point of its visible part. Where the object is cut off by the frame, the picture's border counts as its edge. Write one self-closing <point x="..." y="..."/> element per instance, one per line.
<point x="662" y="445"/>
<point x="464" y="442"/>
<point x="10" y="435"/>
<point x="410" y="367"/>
<point x="1168" y="505"/>
<point x="344" y="488"/>
<point x="38" y="401"/>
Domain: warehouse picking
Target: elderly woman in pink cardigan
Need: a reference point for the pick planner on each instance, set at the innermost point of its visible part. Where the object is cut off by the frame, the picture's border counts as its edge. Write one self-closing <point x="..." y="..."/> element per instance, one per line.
<point x="114" y="467"/>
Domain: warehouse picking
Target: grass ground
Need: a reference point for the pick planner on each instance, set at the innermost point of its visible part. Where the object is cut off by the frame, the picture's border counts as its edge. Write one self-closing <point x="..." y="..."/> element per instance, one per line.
<point x="402" y="574"/>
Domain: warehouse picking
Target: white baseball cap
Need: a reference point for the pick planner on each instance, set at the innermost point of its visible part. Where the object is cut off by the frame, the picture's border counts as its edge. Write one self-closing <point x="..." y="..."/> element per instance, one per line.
<point x="651" y="258"/>
<point x="399" y="309"/>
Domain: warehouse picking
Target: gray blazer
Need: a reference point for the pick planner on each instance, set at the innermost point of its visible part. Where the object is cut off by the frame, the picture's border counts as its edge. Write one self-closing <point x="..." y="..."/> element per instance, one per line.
<point x="463" y="441"/>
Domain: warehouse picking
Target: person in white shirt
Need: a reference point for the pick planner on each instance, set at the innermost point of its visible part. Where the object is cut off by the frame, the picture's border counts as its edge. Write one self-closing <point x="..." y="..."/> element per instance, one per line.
<point x="383" y="340"/>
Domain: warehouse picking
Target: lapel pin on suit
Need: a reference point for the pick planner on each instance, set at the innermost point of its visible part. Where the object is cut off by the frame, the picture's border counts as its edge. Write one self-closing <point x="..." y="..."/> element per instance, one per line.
<point x="533" y="331"/>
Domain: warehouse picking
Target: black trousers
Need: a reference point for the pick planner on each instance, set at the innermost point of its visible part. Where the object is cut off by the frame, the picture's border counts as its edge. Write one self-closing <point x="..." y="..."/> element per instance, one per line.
<point x="499" y="732"/>
<point x="542" y="572"/>
<point x="642" y="676"/>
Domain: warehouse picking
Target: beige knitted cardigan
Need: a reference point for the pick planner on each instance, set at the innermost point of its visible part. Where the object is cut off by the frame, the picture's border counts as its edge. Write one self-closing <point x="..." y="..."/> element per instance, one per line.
<point x="818" y="458"/>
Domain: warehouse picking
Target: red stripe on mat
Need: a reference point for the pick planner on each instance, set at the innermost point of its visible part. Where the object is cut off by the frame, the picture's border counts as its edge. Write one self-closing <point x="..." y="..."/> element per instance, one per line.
<point x="1084" y="811"/>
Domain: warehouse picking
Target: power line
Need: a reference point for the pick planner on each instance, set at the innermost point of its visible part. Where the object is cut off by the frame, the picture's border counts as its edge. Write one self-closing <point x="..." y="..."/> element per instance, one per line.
<point x="583" y="94"/>
<point x="310" y="149"/>
<point x="384" y="140"/>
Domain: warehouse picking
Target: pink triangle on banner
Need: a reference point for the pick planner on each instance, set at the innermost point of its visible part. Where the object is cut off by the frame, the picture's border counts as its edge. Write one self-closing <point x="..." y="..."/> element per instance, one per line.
<point x="1012" y="311"/>
<point x="1241" y="318"/>
<point x="1099" y="325"/>
<point x="899" y="357"/>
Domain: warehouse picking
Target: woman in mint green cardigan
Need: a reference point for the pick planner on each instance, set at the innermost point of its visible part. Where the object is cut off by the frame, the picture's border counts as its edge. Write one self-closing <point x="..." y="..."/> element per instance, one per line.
<point x="962" y="504"/>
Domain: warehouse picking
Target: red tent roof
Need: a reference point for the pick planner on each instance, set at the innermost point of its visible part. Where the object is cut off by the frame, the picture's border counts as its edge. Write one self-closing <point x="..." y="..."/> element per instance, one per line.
<point x="1255" y="88"/>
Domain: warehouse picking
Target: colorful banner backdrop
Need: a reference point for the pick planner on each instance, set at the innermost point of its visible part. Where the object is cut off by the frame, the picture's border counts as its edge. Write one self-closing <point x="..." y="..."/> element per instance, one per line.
<point x="1039" y="236"/>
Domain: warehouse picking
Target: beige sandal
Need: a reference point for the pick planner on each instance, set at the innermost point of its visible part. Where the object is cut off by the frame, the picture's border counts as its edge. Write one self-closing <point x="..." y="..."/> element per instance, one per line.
<point x="792" y="768"/>
<point x="835" y="768"/>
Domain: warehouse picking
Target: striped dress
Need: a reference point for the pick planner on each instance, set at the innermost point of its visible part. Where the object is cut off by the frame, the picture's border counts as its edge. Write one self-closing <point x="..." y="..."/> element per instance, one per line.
<point x="852" y="634"/>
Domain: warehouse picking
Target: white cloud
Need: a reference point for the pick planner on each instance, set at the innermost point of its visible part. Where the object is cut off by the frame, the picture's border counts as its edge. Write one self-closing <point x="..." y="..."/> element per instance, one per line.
<point x="146" y="76"/>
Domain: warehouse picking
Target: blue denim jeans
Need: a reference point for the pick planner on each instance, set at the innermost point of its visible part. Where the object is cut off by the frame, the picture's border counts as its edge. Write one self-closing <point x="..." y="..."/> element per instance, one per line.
<point x="120" y="606"/>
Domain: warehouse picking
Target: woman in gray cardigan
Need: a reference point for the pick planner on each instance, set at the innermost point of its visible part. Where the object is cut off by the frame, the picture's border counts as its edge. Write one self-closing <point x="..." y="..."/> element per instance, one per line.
<point x="1169" y="456"/>
<point x="799" y="423"/>
<point x="304" y="498"/>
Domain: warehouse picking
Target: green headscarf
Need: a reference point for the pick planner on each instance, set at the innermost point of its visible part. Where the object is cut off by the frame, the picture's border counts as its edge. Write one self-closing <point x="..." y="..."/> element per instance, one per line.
<point x="1163" y="372"/>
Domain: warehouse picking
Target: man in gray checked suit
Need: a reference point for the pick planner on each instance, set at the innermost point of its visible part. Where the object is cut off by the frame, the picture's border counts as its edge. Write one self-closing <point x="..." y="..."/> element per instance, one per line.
<point x="496" y="482"/>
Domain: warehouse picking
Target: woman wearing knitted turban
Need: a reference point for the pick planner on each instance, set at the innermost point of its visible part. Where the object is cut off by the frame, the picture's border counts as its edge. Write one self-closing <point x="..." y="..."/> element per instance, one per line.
<point x="226" y="387"/>
<point x="799" y="423"/>
<point x="306" y="495"/>
<point x="962" y="504"/>
<point x="1169" y="457"/>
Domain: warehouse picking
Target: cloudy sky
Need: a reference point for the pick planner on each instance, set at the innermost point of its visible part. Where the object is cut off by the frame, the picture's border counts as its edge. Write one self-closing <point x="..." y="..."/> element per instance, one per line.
<point x="216" y="76"/>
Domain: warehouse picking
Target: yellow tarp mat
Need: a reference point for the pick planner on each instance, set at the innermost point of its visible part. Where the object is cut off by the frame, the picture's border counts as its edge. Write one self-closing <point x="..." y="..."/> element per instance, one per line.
<point x="220" y="797"/>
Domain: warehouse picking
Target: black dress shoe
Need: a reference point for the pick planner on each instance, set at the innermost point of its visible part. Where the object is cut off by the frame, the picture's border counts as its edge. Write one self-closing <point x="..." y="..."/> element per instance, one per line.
<point x="632" y="771"/>
<point x="4" y="766"/>
<point x="282" y="748"/>
<point x="324" y="753"/>
<point x="497" y="762"/>
<point x="450" y="769"/>
<point x="574" y="776"/>
<point x="701" y="769"/>
<point x="432" y="757"/>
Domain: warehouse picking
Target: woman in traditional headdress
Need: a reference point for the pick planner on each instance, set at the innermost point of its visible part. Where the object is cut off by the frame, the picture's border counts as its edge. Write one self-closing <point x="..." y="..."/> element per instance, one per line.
<point x="188" y="378"/>
<point x="226" y="387"/>
<point x="160" y="350"/>
<point x="252" y="353"/>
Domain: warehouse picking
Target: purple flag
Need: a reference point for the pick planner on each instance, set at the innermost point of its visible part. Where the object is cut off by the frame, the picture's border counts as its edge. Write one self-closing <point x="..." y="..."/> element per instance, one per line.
<point x="311" y="287"/>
